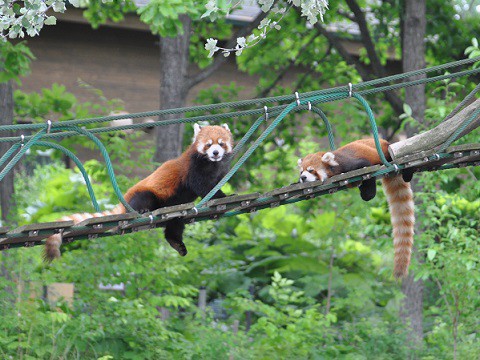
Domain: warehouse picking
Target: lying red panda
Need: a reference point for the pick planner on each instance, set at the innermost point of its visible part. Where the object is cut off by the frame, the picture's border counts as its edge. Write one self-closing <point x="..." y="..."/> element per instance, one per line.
<point x="356" y="155"/>
<point x="177" y="181"/>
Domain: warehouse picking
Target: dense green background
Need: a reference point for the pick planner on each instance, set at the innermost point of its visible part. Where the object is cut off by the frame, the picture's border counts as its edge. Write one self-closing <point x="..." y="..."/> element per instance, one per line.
<point x="314" y="278"/>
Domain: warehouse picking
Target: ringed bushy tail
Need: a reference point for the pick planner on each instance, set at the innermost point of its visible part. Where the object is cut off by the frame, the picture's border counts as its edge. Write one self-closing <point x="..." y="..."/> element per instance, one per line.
<point x="400" y="201"/>
<point x="358" y="154"/>
<point x="53" y="243"/>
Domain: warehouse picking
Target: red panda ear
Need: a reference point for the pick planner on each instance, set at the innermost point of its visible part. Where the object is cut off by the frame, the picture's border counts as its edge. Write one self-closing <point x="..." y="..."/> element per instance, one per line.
<point x="329" y="158"/>
<point x="225" y="126"/>
<point x="299" y="162"/>
<point x="196" y="130"/>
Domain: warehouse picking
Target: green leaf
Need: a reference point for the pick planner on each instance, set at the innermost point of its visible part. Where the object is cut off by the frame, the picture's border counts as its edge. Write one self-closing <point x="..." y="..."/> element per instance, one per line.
<point x="431" y="254"/>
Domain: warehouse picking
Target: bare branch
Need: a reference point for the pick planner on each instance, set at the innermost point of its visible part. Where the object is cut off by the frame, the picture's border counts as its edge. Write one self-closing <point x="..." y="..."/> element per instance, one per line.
<point x="367" y="41"/>
<point x="346" y="15"/>
<point x="300" y="81"/>
<point x="291" y="63"/>
<point x="392" y="97"/>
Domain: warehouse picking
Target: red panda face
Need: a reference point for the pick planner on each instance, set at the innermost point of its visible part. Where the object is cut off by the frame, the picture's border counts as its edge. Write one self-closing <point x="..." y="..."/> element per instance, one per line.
<point x="213" y="141"/>
<point x="314" y="167"/>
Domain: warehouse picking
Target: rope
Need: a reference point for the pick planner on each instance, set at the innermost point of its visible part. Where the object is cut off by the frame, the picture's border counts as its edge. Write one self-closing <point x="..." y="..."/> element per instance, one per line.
<point x="326" y="98"/>
<point x="108" y="163"/>
<point x="79" y="165"/>
<point x="373" y="124"/>
<point x="9" y="153"/>
<point x="298" y="106"/>
<point x="281" y="111"/>
<point x="263" y="101"/>
<point x="260" y="139"/>
<point x="19" y="154"/>
<point x="24" y="237"/>
<point x="97" y="142"/>
<point x="268" y="113"/>
<point x="466" y="122"/>
<point x="465" y="101"/>
<point x="460" y="129"/>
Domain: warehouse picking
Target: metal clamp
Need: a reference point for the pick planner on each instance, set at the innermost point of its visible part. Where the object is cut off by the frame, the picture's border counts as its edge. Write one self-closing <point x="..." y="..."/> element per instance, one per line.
<point x="196" y="210"/>
<point x="49" y="126"/>
<point x="297" y="98"/>
<point x="350" y="90"/>
<point x="245" y="203"/>
<point x="22" y="137"/>
<point x="309" y="106"/>
<point x="265" y="108"/>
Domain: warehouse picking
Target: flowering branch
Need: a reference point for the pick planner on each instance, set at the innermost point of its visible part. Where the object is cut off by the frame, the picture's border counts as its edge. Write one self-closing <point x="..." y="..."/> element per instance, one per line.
<point x="313" y="10"/>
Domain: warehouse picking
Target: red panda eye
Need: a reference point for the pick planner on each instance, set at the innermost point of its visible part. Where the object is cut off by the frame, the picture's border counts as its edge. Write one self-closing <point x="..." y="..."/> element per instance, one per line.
<point x="208" y="145"/>
<point x="310" y="171"/>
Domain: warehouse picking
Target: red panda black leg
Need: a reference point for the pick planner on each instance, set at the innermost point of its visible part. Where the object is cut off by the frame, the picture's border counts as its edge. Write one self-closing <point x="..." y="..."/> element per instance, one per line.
<point x="407" y="174"/>
<point x="144" y="201"/>
<point x="368" y="189"/>
<point x="174" y="235"/>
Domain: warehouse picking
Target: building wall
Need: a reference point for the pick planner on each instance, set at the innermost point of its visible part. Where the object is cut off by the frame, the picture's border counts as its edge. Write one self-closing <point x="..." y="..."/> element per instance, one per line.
<point x="123" y="63"/>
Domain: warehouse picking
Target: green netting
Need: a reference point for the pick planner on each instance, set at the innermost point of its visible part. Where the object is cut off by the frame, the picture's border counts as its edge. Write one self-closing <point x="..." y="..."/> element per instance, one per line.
<point x="272" y="116"/>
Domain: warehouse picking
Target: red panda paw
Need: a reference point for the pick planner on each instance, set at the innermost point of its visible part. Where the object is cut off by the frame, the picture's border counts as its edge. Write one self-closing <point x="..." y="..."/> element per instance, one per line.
<point x="179" y="246"/>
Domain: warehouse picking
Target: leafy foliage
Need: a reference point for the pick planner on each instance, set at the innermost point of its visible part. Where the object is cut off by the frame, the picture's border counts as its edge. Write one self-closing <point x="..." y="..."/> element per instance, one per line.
<point x="15" y="60"/>
<point x="307" y="280"/>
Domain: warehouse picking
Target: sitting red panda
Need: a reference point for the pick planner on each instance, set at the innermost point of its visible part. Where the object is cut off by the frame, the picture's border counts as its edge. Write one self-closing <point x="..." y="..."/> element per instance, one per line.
<point x="356" y="155"/>
<point x="177" y="181"/>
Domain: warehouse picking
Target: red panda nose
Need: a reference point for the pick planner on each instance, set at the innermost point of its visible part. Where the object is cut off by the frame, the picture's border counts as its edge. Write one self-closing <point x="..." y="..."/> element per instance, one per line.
<point x="215" y="152"/>
<point x="303" y="178"/>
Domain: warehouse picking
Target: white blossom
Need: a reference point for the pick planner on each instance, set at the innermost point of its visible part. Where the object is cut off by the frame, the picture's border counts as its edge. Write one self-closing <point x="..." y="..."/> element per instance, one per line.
<point x="313" y="10"/>
<point x="211" y="46"/>
<point x="30" y="17"/>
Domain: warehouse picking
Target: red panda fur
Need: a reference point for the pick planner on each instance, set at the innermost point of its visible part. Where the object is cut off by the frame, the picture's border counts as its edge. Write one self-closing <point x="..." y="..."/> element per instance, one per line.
<point x="194" y="173"/>
<point x="358" y="154"/>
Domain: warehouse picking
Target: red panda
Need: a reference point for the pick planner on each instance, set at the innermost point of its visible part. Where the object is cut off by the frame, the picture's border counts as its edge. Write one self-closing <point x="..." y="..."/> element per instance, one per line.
<point x="177" y="181"/>
<point x="358" y="154"/>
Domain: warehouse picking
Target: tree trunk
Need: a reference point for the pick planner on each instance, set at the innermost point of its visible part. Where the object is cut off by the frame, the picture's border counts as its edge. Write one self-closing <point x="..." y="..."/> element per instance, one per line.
<point x="174" y="56"/>
<point x="413" y="58"/>
<point x="6" y="118"/>
<point x="6" y="185"/>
